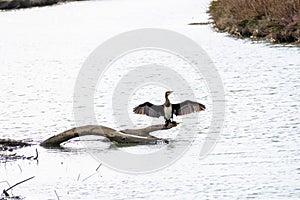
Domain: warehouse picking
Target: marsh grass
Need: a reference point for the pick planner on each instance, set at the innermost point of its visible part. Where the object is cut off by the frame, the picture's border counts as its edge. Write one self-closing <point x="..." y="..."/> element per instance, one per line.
<point x="275" y="20"/>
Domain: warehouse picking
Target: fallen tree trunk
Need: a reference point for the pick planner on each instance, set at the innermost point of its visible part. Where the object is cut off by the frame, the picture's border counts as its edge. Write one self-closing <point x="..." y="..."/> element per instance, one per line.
<point x="128" y="136"/>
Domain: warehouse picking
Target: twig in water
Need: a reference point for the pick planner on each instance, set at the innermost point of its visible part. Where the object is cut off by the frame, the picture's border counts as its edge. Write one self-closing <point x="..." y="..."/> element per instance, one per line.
<point x="89" y="177"/>
<point x="199" y="23"/>
<point x="98" y="166"/>
<point x="5" y="191"/>
<point x="37" y="154"/>
<point x="5" y="182"/>
<point x="20" y="168"/>
<point x="56" y="194"/>
<point x="92" y="174"/>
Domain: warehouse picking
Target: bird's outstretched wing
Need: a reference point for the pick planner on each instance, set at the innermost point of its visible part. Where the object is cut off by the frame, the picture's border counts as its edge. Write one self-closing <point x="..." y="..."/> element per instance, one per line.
<point x="187" y="107"/>
<point x="149" y="109"/>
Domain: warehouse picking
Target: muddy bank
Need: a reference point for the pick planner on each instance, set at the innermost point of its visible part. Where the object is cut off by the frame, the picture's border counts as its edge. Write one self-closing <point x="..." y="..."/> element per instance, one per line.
<point x="8" y="149"/>
<point x="272" y="20"/>
<point x="15" y="4"/>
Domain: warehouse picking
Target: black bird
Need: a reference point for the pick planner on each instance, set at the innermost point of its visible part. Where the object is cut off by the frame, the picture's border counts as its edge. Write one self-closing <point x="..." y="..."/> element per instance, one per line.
<point x="167" y="109"/>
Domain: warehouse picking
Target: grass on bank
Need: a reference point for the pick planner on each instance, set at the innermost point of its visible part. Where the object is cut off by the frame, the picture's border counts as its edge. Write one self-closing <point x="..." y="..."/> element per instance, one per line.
<point x="275" y="20"/>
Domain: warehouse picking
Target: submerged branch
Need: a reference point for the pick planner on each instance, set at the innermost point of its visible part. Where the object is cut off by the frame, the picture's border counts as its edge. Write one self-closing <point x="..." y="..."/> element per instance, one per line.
<point x="5" y="191"/>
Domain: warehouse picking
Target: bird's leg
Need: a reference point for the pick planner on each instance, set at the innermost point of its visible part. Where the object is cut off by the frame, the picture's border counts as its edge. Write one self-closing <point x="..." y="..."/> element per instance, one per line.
<point x="167" y="123"/>
<point x="173" y="122"/>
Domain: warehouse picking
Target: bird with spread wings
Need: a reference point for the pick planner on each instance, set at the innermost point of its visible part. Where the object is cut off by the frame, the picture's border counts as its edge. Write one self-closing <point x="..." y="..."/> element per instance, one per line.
<point x="167" y="109"/>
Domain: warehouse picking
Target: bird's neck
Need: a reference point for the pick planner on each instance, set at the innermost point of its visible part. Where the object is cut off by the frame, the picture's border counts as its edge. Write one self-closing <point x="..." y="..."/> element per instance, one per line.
<point x="167" y="102"/>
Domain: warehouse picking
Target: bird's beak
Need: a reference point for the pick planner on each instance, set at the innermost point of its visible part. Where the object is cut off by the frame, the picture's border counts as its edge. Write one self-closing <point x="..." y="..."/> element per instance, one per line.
<point x="171" y="92"/>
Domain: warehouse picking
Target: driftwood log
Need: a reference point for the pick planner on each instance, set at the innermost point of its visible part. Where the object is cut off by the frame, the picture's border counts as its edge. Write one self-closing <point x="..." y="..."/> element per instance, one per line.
<point x="122" y="137"/>
<point x="128" y="136"/>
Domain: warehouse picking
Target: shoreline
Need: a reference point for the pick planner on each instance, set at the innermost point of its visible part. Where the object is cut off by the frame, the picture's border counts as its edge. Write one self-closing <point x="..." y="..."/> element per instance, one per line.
<point x="264" y="20"/>
<point x="6" y="5"/>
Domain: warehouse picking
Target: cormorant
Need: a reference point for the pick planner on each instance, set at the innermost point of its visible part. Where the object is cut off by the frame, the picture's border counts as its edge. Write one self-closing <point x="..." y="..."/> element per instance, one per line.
<point x="167" y="109"/>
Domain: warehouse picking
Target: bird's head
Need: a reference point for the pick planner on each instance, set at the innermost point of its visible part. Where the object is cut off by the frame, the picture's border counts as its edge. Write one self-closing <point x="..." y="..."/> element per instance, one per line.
<point x="168" y="93"/>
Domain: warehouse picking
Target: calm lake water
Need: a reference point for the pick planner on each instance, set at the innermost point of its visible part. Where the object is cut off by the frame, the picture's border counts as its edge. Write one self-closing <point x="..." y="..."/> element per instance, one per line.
<point x="41" y="53"/>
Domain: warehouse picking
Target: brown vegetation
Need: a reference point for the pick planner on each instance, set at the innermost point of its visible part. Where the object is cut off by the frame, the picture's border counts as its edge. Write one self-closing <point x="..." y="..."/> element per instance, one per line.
<point x="275" y="20"/>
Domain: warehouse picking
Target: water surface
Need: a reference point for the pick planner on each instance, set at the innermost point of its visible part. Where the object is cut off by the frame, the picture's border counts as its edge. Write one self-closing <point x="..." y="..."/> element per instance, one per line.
<point x="42" y="50"/>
